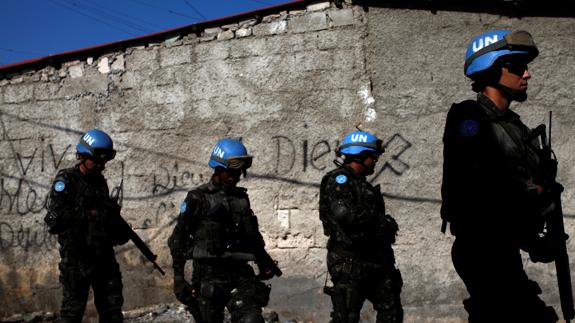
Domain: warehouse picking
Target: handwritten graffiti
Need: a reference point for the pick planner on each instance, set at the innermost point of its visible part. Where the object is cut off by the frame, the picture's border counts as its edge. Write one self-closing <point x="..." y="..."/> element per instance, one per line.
<point x="20" y="236"/>
<point x="318" y="155"/>
<point x="395" y="147"/>
<point x="163" y="210"/>
<point x="47" y="157"/>
<point x="24" y="197"/>
<point x="315" y="154"/>
<point x="171" y="179"/>
<point x="23" y="200"/>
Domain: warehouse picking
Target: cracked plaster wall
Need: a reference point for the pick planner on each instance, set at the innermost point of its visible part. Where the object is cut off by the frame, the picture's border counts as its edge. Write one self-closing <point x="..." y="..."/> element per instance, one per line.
<point x="290" y="86"/>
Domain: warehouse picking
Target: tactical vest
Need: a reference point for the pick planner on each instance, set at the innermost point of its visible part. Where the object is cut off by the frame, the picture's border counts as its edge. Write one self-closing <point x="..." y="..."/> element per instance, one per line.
<point x="226" y="228"/>
<point x="511" y="145"/>
<point x="367" y="225"/>
<point x="89" y="236"/>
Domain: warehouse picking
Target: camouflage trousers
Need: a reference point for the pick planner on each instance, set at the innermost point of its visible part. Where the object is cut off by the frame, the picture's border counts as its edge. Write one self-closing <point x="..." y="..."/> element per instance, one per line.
<point x="232" y="284"/>
<point x="106" y="282"/>
<point x="499" y="288"/>
<point x="355" y="281"/>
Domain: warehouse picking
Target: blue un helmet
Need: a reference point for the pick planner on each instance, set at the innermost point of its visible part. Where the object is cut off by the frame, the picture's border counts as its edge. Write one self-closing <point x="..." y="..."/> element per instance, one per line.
<point x="230" y="153"/>
<point x="97" y="145"/>
<point x="357" y="142"/>
<point x="485" y="49"/>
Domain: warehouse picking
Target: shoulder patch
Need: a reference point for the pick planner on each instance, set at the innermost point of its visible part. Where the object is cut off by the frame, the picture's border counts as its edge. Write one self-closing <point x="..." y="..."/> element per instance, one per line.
<point x="341" y="179"/>
<point x="469" y="128"/>
<point x="59" y="186"/>
<point x="183" y="207"/>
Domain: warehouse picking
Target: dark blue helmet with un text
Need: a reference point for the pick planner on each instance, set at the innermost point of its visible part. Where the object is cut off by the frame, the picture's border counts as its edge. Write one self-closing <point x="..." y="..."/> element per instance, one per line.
<point x="96" y="144"/>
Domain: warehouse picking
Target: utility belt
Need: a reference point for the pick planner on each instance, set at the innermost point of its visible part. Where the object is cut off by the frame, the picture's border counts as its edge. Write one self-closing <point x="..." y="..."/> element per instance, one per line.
<point x="376" y="253"/>
<point x="203" y="253"/>
<point x="221" y="267"/>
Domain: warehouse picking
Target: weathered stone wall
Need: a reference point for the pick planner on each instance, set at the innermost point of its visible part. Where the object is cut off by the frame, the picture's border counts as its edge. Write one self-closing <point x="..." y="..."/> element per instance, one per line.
<point x="290" y="86"/>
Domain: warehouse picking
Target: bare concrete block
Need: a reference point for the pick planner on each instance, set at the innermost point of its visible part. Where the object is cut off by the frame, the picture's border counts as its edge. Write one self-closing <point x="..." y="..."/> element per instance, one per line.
<point x="341" y="17"/>
<point x="208" y="52"/>
<point x="247" y="23"/>
<point x="47" y="91"/>
<point x="273" y="28"/>
<point x="119" y="63"/>
<point x="208" y="37"/>
<point x="146" y="58"/>
<point x="233" y="27"/>
<point x="190" y="39"/>
<point x="270" y="18"/>
<point x="96" y="83"/>
<point x="104" y="65"/>
<point x="175" y="56"/>
<point x="76" y="71"/>
<point x="283" y="218"/>
<point x="243" y="32"/>
<point x="212" y="31"/>
<point x="310" y="22"/>
<point x="295" y="241"/>
<point x="171" y="41"/>
<point x="226" y="35"/>
<point x="18" y="93"/>
<point x="163" y="95"/>
<point x="318" y="6"/>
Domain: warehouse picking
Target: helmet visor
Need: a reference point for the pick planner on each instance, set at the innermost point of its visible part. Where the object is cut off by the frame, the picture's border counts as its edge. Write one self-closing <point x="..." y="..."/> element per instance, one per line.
<point x="103" y="154"/>
<point x="520" y="40"/>
<point x="239" y="163"/>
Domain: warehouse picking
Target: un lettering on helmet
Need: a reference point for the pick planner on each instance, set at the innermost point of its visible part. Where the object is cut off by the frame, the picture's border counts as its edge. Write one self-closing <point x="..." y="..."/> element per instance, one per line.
<point x="219" y="152"/>
<point x="485" y="41"/>
<point x="89" y="139"/>
<point x="358" y="138"/>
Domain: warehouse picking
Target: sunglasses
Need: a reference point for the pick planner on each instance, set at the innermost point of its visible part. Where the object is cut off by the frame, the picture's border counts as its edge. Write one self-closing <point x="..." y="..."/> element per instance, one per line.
<point x="516" y="68"/>
<point x="103" y="155"/>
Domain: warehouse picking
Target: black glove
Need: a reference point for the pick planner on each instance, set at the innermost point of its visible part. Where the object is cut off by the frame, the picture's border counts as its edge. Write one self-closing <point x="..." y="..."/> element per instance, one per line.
<point x="389" y="229"/>
<point x="182" y="289"/>
<point x="544" y="249"/>
<point x="265" y="272"/>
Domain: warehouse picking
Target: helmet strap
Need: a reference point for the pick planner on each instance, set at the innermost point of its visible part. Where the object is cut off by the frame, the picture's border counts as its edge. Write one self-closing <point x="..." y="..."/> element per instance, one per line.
<point x="510" y="94"/>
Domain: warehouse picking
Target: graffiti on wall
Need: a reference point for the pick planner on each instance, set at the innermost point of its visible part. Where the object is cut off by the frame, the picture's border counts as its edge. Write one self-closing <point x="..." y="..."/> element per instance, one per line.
<point x="318" y="155"/>
<point x="24" y="187"/>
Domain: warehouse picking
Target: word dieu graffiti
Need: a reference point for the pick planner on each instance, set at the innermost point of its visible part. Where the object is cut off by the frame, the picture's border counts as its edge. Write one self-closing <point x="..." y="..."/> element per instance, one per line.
<point x="171" y="179"/>
<point x="317" y="155"/>
<point x="19" y="236"/>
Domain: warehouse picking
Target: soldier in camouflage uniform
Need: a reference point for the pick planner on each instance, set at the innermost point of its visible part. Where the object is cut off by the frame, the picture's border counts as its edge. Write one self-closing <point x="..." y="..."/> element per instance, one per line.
<point x="217" y="229"/>
<point x="79" y="212"/>
<point x="492" y="194"/>
<point x="360" y="258"/>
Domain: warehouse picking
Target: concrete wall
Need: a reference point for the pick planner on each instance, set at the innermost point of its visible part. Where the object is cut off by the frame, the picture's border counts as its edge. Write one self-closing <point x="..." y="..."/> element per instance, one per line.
<point x="290" y="85"/>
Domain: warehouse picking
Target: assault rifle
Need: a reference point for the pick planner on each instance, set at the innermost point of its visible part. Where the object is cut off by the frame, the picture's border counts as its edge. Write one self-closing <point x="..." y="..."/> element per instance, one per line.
<point x="264" y="260"/>
<point x="554" y="220"/>
<point x="116" y="199"/>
